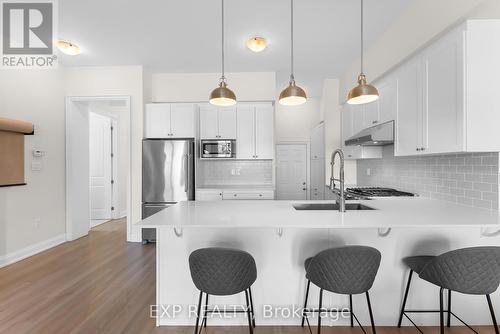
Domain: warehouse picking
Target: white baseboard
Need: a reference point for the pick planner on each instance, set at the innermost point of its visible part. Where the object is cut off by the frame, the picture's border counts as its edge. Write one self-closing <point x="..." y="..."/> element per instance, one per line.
<point x="31" y="250"/>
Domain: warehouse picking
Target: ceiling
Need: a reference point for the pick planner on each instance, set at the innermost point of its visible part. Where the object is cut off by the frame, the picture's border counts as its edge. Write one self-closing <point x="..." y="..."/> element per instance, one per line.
<point x="185" y="36"/>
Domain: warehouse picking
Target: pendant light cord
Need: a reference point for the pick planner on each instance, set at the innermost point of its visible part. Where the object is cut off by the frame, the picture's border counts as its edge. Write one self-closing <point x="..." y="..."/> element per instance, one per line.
<point x="223" y="78"/>
<point x="292" y="78"/>
<point x="362" y="39"/>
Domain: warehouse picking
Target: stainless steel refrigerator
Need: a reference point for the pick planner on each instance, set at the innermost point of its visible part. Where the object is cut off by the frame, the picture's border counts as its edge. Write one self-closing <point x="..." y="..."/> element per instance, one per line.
<point x="167" y="176"/>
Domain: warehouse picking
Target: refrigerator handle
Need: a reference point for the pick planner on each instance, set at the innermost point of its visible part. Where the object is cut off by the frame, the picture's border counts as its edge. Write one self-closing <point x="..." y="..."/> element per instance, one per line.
<point x="186" y="183"/>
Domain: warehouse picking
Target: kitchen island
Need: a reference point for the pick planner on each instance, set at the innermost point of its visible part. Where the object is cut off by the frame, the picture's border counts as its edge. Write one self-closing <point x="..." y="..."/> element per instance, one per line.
<point x="281" y="237"/>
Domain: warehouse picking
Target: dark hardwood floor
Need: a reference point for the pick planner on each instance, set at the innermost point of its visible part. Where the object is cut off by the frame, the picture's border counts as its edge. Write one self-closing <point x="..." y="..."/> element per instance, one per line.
<point x="102" y="284"/>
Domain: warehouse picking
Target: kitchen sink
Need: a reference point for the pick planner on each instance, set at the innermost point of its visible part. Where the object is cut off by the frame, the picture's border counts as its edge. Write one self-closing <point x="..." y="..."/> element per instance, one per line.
<point x="330" y="206"/>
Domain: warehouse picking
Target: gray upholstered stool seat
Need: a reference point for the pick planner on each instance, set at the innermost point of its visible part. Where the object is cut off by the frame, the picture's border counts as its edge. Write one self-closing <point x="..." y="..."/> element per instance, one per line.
<point x="417" y="263"/>
<point x="307" y="262"/>
<point x="473" y="271"/>
<point x="223" y="272"/>
<point x="345" y="270"/>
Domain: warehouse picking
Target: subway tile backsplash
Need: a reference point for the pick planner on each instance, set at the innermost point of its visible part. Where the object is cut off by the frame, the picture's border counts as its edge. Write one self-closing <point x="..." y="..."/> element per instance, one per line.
<point x="235" y="172"/>
<point x="469" y="178"/>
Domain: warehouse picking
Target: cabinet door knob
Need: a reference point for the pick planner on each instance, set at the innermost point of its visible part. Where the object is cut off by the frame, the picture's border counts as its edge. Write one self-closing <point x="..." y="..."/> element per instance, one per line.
<point x="418" y="149"/>
<point x="422" y="149"/>
<point x="374" y="122"/>
<point x="304" y="188"/>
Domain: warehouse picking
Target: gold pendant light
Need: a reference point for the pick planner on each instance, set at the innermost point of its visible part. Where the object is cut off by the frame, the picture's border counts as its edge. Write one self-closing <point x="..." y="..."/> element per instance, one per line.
<point x="293" y="95"/>
<point x="363" y="92"/>
<point x="222" y="95"/>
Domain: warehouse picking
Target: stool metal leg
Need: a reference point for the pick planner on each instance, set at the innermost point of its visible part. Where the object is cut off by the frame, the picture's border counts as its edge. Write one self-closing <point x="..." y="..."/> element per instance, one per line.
<point x="371" y="313"/>
<point x="492" y="311"/>
<point x="320" y="313"/>
<point x="441" y="311"/>
<point x="251" y="306"/>
<point x="205" y="311"/>
<point x="350" y="311"/>
<point x="305" y="302"/>
<point x="448" y="321"/>
<point x="404" y="299"/>
<point x="248" y="311"/>
<point x="198" y="313"/>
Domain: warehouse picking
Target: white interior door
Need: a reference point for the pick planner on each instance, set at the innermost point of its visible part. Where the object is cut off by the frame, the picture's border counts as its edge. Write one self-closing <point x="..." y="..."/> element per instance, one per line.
<point x="291" y="173"/>
<point x="100" y="166"/>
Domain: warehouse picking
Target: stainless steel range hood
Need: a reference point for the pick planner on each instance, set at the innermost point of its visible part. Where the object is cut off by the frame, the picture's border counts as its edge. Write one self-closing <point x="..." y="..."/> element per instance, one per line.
<point x="378" y="135"/>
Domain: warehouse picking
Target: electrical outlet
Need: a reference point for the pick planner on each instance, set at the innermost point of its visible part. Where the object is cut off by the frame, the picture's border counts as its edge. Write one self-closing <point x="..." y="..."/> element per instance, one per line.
<point x="368" y="171"/>
<point x="37" y="222"/>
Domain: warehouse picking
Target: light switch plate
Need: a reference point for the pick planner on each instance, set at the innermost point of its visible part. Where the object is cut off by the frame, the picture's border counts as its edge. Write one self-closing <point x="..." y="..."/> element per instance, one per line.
<point x="36" y="166"/>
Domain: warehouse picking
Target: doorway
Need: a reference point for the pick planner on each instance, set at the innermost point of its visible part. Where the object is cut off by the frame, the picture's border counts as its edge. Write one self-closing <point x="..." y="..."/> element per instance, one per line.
<point x="97" y="162"/>
<point x="103" y="166"/>
<point x="291" y="172"/>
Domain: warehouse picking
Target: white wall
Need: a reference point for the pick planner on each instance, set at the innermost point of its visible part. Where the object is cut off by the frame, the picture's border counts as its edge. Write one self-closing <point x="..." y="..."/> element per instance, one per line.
<point x="417" y="25"/>
<point x="36" y="96"/>
<point x="330" y="112"/>
<point x="196" y="87"/>
<point x="117" y="81"/>
<point x="294" y="123"/>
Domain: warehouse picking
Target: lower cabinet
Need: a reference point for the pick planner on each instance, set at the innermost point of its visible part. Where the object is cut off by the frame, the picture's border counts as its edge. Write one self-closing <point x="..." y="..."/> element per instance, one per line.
<point x="208" y="195"/>
<point x="239" y="194"/>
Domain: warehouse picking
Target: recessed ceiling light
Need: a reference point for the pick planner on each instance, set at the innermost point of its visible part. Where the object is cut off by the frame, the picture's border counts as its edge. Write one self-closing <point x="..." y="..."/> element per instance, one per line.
<point x="257" y="44"/>
<point x="68" y="48"/>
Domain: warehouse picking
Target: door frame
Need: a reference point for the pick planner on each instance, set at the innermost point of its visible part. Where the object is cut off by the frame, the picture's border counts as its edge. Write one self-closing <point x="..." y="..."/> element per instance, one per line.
<point x="75" y="216"/>
<point x="308" y="162"/>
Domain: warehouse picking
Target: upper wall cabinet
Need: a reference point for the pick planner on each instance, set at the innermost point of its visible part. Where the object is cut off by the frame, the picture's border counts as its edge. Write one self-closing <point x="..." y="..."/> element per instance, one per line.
<point x="170" y="120"/>
<point x="446" y="94"/>
<point x="255" y="131"/>
<point x="217" y="123"/>
<point x="352" y="123"/>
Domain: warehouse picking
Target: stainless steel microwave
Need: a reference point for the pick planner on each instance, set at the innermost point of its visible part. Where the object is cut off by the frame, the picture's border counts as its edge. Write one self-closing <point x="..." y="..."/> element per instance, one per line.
<point x="221" y="148"/>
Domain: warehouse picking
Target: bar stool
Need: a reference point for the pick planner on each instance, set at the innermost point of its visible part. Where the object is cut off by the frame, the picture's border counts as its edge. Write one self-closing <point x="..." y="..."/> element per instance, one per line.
<point x="223" y="272"/>
<point x="472" y="271"/>
<point x="348" y="270"/>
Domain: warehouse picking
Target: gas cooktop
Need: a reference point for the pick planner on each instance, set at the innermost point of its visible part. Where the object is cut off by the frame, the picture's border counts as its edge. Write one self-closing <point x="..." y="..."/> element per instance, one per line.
<point x="378" y="192"/>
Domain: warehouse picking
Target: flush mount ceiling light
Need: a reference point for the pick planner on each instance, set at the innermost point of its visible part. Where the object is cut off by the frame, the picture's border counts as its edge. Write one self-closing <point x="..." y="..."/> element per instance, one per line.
<point x="363" y="92"/>
<point x="222" y="96"/>
<point x="68" y="48"/>
<point x="293" y="95"/>
<point x="257" y="44"/>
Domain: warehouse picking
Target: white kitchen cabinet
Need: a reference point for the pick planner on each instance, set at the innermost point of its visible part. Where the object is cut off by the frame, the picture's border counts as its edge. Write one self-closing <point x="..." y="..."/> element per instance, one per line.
<point x="443" y="109"/>
<point x="157" y="121"/>
<point x="227" y="123"/>
<point x="371" y="114"/>
<point x="217" y="123"/>
<point x="248" y="194"/>
<point x="264" y="131"/>
<point x="387" y="102"/>
<point x="352" y="124"/>
<point x="318" y="142"/>
<point x="245" y="143"/>
<point x="208" y="195"/>
<point x="317" y="179"/>
<point x="213" y="194"/>
<point x="446" y="97"/>
<point x="408" y="137"/>
<point x="255" y="131"/>
<point x="170" y="120"/>
<point x="183" y="120"/>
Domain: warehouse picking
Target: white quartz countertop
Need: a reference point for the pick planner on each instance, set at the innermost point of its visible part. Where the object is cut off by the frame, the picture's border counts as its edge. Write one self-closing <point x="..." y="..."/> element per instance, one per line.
<point x="389" y="213"/>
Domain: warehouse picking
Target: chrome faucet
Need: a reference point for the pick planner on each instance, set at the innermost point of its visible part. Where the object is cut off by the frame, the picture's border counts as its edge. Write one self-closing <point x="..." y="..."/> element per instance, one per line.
<point x="339" y="192"/>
